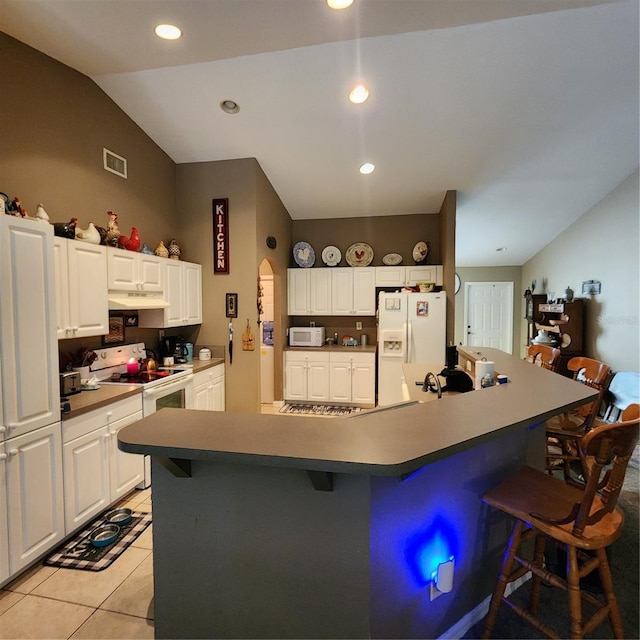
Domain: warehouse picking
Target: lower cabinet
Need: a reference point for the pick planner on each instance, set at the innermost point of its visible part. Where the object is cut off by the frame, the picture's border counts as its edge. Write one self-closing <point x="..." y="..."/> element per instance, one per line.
<point x="34" y="496"/>
<point x="96" y="472"/>
<point x="4" y="526"/>
<point x="209" y="389"/>
<point x="338" y="376"/>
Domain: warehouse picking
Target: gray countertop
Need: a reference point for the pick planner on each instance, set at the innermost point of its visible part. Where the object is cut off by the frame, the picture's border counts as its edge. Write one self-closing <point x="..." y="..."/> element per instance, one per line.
<point x="385" y="441"/>
<point x="370" y="348"/>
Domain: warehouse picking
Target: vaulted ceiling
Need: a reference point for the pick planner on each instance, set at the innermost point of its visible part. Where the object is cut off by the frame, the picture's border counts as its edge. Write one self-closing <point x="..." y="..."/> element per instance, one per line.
<point x="528" y="108"/>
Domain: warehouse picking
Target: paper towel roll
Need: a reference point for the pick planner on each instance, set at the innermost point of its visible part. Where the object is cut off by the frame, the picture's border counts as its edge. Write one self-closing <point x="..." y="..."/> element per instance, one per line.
<point x="484" y="368"/>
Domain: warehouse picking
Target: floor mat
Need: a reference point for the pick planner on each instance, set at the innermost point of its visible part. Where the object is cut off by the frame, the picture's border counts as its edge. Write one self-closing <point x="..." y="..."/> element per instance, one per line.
<point x="319" y="409"/>
<point x="79" y="553"/>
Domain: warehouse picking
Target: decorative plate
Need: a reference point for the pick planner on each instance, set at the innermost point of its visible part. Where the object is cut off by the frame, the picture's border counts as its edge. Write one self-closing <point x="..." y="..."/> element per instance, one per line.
<point x="392" y="259"/>
<point x="420" y="252"/>
<point x="304" y="255"/>
<point x="359" y="254"/>
<point x="331" y="256"/>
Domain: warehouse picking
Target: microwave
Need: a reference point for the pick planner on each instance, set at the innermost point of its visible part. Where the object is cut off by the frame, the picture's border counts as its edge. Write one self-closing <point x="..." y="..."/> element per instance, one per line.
<point x="306" y="336"/>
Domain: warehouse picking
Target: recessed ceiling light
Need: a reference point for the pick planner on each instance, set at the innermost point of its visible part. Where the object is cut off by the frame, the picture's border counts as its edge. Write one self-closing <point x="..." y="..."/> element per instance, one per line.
<point x="359" y="94"/>
<point x="366" y="168"/>
<point x="168" y="31"/>
<point x="339" y="4"/>
<point x="230" y="106"/>
<point x="501" y="249"/>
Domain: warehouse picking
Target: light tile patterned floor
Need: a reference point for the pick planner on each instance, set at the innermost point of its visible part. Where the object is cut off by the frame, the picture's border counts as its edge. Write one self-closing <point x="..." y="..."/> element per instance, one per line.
<point x="47" y="602"/>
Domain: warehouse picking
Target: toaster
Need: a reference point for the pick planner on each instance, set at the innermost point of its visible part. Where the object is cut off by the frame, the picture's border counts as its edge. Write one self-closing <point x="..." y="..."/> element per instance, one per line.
<point x="70" y="383"/>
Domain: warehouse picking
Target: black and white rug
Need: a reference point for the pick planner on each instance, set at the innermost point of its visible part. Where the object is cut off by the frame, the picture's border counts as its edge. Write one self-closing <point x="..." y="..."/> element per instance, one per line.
<point x="319" y="409"/>
<point x="79" y="553"/>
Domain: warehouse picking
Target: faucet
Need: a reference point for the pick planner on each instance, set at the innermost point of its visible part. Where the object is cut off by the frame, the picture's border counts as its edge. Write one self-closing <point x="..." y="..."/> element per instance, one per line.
<point x="432" y="385"/>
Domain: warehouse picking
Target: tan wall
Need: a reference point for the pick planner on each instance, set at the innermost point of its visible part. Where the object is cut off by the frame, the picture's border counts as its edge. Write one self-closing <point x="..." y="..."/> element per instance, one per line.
<point x="448" y="251"/>
<point x="385" y="234"/>
<point x="237" y="180"/>
<point x="54" y="124"/>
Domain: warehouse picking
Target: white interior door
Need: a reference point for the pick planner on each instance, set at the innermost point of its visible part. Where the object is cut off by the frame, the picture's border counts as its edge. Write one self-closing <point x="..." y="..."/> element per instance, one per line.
<point x="489" y="315"/>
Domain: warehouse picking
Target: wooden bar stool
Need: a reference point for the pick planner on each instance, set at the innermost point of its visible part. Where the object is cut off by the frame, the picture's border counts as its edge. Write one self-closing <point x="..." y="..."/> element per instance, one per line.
<point x="582" y="521"/>
<point x="564" y="432"/>
<point x="543" y="356"/>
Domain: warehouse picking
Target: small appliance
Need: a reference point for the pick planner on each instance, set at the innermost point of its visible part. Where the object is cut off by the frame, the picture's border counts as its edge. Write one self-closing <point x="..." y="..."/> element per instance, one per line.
<point x="70" y="383"/>
<point x="306" y="336"/>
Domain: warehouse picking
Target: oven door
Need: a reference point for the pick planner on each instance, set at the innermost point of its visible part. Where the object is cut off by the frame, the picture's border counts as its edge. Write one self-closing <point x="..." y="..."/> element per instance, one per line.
<point x="177" y="394"/>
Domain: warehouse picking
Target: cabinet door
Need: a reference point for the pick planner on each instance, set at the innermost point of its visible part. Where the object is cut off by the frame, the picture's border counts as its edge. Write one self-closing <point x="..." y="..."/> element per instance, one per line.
<point x="86" y="478"/>
<point x="174" y="293"/>
<point x="318" y="381"/>
<point x="126" y="470"/>
<point x="340" y="380"/>
<point x="363" y="380"/>
<point x="320" y="291"/>
<point x="28" y="342"/>
<point x="34" y="494"/>
<point x="295" y="380"/>
<point x="192" y="311"/>
<point x="122" y="269"/>
<point x="61" y="274"/>
<point x="428" y="273"/>
<point x="389" y="276"/>
<point x="4" y="526"/>
<point x="342" y="291"/>
<point x="88" y="305"/>
<point x="218" y="388"/>
<point x="298" y="292"/>
<point x="364" y="291"/>
<point x="149" y="272"/>
<point x="201" y="397"/>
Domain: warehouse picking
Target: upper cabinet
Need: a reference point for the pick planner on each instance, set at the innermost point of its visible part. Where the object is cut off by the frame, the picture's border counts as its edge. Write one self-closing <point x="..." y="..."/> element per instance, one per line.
<point x="132" y="271"/>
<point x="183" y="293"/>
<point x="81" y="289"/>
<point x="409" y="275"/>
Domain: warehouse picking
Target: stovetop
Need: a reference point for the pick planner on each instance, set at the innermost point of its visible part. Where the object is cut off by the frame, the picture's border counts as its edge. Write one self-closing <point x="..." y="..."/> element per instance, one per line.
<point x="142" y="378"/>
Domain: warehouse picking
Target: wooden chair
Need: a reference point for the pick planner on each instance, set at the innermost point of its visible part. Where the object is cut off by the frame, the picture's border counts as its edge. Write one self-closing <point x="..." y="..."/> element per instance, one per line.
<point x="565" y="431"/>
<point x="582" y="521"/>
<point x="543" y="356"/>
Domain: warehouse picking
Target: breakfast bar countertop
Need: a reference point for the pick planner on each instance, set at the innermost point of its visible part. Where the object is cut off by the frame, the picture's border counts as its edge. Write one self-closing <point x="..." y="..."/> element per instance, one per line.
<point x="385" y="441"/>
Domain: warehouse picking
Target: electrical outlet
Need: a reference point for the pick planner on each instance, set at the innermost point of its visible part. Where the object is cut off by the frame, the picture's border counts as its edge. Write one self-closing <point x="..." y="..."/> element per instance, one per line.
<point x="359" y="326"/>
<point x="312" y="324"/>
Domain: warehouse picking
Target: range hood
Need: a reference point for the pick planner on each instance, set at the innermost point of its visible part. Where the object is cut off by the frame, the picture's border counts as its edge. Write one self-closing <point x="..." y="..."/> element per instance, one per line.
<point x="120" y="300"/>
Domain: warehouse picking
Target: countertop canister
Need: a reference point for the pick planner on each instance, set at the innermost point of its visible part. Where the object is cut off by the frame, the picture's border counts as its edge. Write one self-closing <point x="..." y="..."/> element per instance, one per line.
<point x="204" y="354"/>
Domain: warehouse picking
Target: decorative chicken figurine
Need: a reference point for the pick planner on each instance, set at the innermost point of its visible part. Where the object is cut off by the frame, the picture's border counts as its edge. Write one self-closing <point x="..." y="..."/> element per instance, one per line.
<point x="41" y="214"/>
<point x="174" y="250"/>
<point x="145" y="249"/>
<point x="113" y="231"/>
<point x="65" y="229"/>
<point x="132" y="243"/>
<point x="90" y="234"/>
<point x="162" y="251"/>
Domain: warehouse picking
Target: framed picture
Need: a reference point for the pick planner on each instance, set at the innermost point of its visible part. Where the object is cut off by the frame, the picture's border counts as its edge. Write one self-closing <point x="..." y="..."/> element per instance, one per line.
<point x="116" y="329"/>
<point x="130" y="320"/>
<point x="232" y="305"/>
<point x="422" y="308"/>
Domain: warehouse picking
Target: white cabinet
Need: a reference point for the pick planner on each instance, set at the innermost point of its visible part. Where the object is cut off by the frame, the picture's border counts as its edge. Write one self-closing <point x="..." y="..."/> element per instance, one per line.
<point x="330" y="376"/>
<point x="28" y="343"/>
<point x="4" y="526"/>
<point x="183" y="292"/>
<point x="331" y="291"/>
<point x="96" y="472"/>
<point x="34" y="495"/>
<point x="306" y="376"/>
<point x="353" y="378"/>
<point x="208" y="389"/>
<point x="133" y="271"/>
<point x="81" y="289"/>
<point x="401" y="276"/>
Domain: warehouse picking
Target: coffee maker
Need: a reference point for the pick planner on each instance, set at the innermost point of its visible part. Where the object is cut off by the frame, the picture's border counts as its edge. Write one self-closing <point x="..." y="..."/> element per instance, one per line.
<point x="174" y="346"/>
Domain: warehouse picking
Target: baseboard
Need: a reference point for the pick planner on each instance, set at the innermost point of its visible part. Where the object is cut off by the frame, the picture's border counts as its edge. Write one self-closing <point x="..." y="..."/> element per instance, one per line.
<point x="278" y="404"/>
<point x="478" y="613"/>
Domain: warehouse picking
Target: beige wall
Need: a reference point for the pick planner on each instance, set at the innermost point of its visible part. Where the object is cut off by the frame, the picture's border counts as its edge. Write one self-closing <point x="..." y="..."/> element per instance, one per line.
<point x="602" y="245"/>
<point x="243" y="183"/>
<point x="54" y="123"/>
<point x="448" y="252"/>
<point x="491" y="274"/>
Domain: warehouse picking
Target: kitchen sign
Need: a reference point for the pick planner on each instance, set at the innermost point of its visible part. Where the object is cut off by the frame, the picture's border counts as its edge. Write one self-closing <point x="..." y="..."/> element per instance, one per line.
<point x="221" y="236"/>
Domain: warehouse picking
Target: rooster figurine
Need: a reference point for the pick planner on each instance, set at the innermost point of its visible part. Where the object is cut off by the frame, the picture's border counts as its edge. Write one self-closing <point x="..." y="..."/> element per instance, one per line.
<point x="132" y="243"/>
<point x="41" y="214"/>
<point x="90" y="234"/>
<point x="113" y="231"/>
<point x="65" y="229"/>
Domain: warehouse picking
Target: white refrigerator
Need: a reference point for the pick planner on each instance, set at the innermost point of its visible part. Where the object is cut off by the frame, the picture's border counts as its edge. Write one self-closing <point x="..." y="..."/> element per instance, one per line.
<point x="411" y="328"/>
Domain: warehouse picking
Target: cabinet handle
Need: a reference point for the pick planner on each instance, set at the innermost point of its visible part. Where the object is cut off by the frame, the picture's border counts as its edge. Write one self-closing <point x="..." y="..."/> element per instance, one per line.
<point x="109" y="414"/>
<point x="3" y="456"/>
<point x="13" y="452"/>
<point x="11" y="427"/>
<point x="106" y="436"/>
<point x="3" y="429"/>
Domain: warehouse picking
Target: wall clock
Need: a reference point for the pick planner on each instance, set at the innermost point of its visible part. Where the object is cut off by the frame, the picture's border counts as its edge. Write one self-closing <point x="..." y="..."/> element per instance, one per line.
<point x="271" y="242"/>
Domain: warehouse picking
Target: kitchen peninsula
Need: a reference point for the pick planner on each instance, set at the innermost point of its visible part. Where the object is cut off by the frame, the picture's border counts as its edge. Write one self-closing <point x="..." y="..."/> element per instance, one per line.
<point x="288" y="527"/>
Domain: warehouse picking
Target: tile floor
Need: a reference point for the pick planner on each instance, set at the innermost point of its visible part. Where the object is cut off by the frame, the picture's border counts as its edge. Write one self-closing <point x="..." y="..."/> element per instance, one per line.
<point x="47" y="602"/>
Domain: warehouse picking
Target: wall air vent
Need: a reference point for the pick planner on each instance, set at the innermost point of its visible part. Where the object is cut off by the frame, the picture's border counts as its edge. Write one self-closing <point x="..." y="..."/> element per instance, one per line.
<point x="114" y="163"/>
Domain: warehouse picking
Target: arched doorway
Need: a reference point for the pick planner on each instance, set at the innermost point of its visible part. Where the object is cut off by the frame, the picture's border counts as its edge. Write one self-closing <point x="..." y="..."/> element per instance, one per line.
<point x="267" y="359"/>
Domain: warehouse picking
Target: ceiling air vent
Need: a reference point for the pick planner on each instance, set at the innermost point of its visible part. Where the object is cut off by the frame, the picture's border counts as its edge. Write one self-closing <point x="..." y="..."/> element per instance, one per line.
<point x="114" y="163"/>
